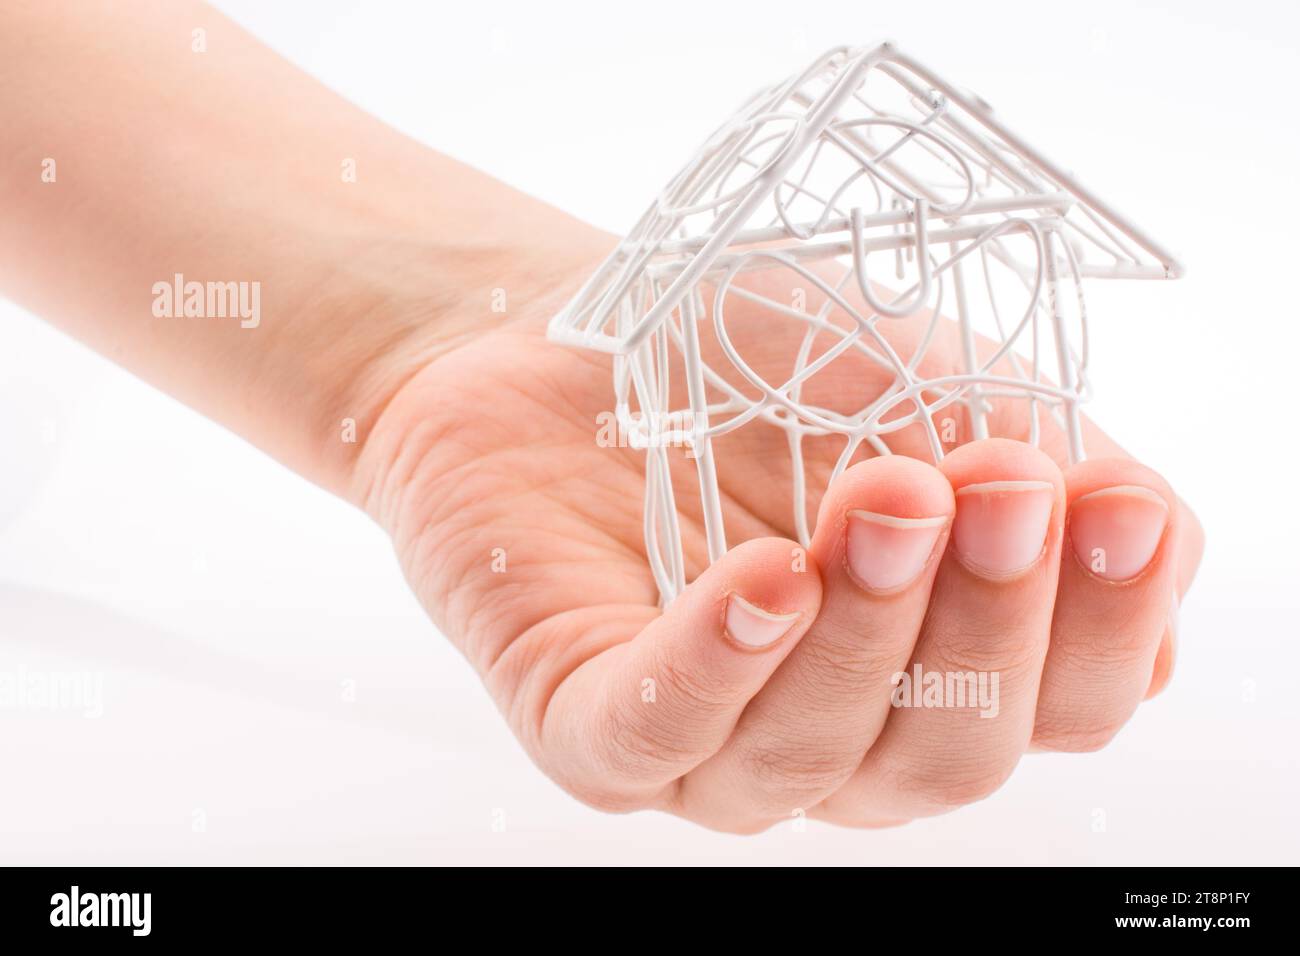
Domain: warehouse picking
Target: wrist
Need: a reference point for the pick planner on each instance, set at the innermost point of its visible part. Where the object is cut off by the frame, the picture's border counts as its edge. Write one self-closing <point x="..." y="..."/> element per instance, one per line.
<point x="420" y="300"/>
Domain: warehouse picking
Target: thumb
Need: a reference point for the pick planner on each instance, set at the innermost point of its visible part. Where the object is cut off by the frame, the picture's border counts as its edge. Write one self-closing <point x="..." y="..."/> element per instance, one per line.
<point x="637" y="716"/>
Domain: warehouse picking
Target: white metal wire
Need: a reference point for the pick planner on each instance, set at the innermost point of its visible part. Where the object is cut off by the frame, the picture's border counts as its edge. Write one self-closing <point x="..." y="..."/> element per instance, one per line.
<point x="864" y="157"/>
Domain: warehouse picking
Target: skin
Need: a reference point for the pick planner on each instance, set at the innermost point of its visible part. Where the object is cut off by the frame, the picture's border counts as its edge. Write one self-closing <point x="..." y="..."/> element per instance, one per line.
<point x="476" y="440"/>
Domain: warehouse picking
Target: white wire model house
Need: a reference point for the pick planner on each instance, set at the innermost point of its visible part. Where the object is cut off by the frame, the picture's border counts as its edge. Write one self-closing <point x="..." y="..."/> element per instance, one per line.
<point x="891" y="196"/>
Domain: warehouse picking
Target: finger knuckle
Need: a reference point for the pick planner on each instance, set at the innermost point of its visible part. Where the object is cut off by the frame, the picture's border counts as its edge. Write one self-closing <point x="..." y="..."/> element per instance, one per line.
<point x="786" y="778"/>
<point x="988" y="648"/>
<point x="1076" y="738"/>
<point x="834" y="677"/>
<point x="948" y="785"/>
<point x="635" y="747"/>
<point x="692" y="691"/>
<point x="1105" y="647"/>
<point x="603" y="798"/>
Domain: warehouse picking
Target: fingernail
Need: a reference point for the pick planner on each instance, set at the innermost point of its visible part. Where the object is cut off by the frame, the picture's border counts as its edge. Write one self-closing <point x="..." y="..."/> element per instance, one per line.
<point x="1001" y="526"/>
<point x="885" y="553"/>
<point x="1115" y="531"/>
<point x="754" y="627"/>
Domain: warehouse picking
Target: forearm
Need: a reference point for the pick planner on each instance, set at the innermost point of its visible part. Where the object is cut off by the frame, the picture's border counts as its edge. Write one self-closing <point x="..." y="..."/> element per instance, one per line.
<point x="362" y="254"/>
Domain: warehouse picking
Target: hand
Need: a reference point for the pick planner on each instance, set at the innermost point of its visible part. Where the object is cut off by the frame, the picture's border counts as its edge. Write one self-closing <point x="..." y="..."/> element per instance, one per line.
<point x="765" y="690"/>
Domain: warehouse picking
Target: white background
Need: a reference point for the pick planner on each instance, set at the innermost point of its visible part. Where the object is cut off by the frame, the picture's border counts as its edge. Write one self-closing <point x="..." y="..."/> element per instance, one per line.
<point x="229" y="605"/>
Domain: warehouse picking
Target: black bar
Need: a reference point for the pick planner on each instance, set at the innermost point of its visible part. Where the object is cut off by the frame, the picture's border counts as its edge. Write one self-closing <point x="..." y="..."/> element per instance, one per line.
<point x="334" y="906"/>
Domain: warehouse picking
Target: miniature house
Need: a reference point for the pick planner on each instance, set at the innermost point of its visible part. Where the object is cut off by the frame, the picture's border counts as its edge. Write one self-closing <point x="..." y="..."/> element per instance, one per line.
<point x="877" y="211"/>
